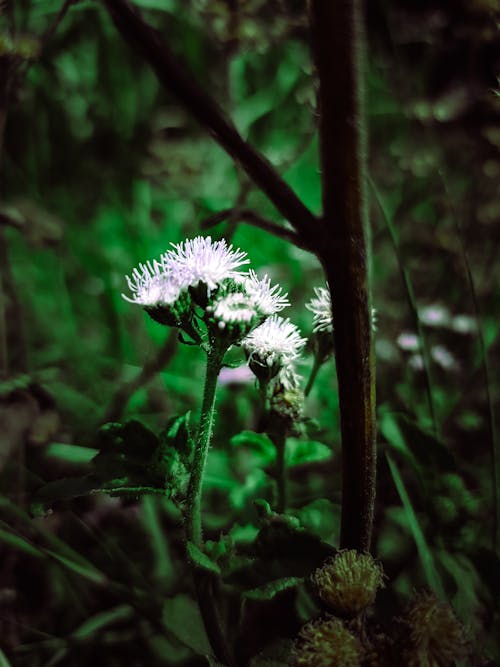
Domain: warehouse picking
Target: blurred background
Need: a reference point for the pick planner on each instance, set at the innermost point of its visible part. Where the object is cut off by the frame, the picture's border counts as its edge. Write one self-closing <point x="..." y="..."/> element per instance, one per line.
<point x="102" y="169"/>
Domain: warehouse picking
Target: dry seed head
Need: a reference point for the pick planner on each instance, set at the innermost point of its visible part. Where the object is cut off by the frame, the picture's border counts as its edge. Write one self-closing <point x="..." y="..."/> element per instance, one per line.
<point x="349" y="581"/>
<point x="326" y="643"/>
<point x="436" y="636"/>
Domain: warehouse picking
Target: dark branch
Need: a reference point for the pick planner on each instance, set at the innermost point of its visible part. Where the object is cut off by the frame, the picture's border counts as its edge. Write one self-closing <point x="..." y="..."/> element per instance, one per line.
<point x="235" y="215"/>
<point x="172" y="75"/>
<point x="337" y="43"/>
<point x="47" y="35"/>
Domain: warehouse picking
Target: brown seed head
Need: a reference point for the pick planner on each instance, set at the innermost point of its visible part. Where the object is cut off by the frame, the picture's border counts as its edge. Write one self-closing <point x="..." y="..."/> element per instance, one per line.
<point x="326" y="643"/>
<point x="436" y="636"/>
<point x="348" y="582"/>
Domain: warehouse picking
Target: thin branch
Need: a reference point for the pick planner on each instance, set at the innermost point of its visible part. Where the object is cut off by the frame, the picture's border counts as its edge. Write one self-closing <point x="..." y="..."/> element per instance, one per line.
<point x="145" y="375"/>
<point x="7" y="7"/>
<point x="337" y="41"/>
<point x="175" y="78"/>
<point x="235" y="215"/>
<point x="48" y="34"/>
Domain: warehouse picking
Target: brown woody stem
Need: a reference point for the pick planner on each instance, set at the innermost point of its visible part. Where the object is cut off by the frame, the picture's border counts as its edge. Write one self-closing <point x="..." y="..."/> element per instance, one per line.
<point x="337" y="38"/>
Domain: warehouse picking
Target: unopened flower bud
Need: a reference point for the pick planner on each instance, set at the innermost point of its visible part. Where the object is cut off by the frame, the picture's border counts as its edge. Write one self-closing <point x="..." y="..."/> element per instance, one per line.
<point x="287" y="404"/>
<point x="348" y="582"/>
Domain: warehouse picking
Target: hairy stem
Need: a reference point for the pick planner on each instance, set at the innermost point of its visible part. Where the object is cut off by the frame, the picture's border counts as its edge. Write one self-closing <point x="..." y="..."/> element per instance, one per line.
<point x="312" y="377"/>
<point x="337" y="38"/>
<point x="279" y="440"/>
<point x="193" y="509"/>
<point x="203" y="581"/>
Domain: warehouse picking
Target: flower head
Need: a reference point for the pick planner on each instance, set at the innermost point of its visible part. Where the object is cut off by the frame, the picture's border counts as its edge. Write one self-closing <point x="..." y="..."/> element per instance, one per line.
<point x="436" y="636"/>
<point x="408" y="341"/>
<point x="434" y="315"/>
<point x="444" y="358"/>
<point x="275" y="341"/>
<point x="206" y="261"/>
<point x="153" y="284"/>
<point x="348" y="583"/>
<point x="286" y="402"/>
<point x="326" y="643"/>
<point x="268" y="299"/>
<point x="233" y="308"/>
<point x="321" y="308"/>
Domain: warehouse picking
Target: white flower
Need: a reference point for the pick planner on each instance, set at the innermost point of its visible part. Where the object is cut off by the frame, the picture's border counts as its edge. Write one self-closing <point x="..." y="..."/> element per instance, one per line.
<point x="203" y="260"/>
<point x="408" y="341"/>
<point x="434" y="315"/>
<point x="321" y="308"/>
<point x="288" y="377"/>
<point x="153" y="284"/>
<point x="444" y="358"/>
<point x="416" y="361"/>
<point x="275" y="341"/>
<point x="463" y="324"/>
<point x="269" y="300"/>
<point x="233" y="308"/>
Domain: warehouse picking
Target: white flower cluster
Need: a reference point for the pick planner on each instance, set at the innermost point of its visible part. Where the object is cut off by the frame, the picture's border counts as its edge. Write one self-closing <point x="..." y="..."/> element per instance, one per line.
<point x="160" y="283"/>
<point x="273" y="349"/>
<point x="321" y="308"/>
<point x="204" y="274"/>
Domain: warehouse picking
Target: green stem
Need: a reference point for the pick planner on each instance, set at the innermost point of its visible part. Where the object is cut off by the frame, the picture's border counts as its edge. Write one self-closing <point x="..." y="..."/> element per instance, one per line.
<point x="193" y="510"/>
<point x="314" y="372"/>
<point x="279" y="440"/>
<point x="203" y="581"/>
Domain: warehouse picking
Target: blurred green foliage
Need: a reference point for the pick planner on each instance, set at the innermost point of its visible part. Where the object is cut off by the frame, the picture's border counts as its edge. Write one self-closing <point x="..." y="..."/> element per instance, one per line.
<point x="101" y="169"/>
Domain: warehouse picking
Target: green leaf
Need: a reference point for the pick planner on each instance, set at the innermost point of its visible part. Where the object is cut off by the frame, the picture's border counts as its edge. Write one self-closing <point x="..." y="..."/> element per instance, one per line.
<point x="123" y="448"/>
<point x="63" y="489"/>
<point x="176" y="435"/>
<point x="3" y="660"/>
<point x="321" y="517"/>
<point x="100" y="621"/>
<point x="414" y="443"/>
<point x="85" y="571"/>
<point x="19" y="543"/>
<point x="131" y="462"/>
<point x="260" y="443"/>
<point x="181" y="616"/>
<point x="305" y="451"/>
<point x="163" y="570"/>
<point x="281" y="550"/>
<point x="70" y="453"/>
<point x="161" y="5"/>
<point x="263" y="508"/>
<point x="424" y="552"/>
<point x="201" y="559"/>
<point x="270" y="590"/>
